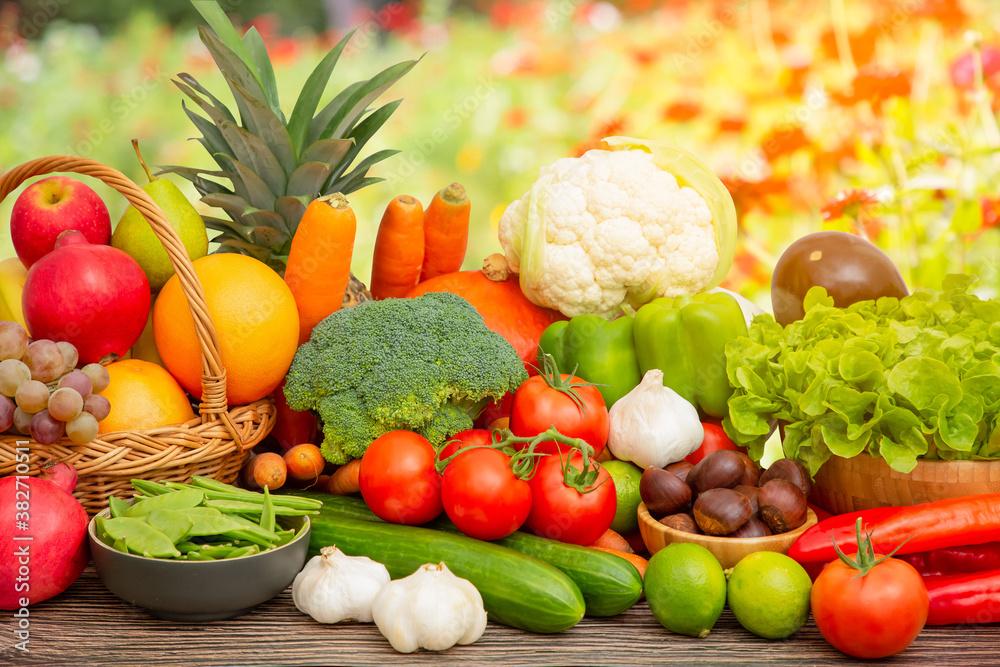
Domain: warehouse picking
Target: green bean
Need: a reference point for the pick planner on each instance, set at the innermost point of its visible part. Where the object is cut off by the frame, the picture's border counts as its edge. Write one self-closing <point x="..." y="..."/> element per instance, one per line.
<point x="284" y="537"/>
<point x="249" y="536"/>
<point x="176" y="500"/>
<point x="254" y="508"/>
<point x="267" y="512"/>
<point x="140" y="537"/>
<point x="245" y="551"/>
<point x="197" y="555"/>
<point x="188" y="547"/>
<point x="294" y="502"/>
<point x="210" y="484"/>
<point x="150" y="488"/>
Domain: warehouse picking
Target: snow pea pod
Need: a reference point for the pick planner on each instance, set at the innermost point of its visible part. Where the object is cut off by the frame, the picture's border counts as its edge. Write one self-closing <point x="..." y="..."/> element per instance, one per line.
<point x="175" y="524"/>
<point x="176" y="500"/>
<point x="118" y="507"/>
<point x="140" y="537"/>
<point x="119" y="545"/>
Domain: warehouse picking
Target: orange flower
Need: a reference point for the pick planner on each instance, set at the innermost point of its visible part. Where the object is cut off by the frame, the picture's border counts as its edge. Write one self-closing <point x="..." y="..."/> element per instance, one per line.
<point x="516" y="117"/>
<point x="858" y="204"/>
<point x="991" y="211"/>
<point x="948" y="13"/>
<point x="784" y="140"/>
<point x="875" y="85"/>
<point x="682" y="111"/>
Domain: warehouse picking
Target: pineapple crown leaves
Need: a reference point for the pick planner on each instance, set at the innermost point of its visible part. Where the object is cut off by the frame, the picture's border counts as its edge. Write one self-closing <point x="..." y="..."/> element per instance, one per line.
<point x="276" y="166"/>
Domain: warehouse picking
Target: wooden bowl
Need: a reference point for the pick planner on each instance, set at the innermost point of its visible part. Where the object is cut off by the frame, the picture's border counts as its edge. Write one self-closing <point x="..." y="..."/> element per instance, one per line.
<point x="863" y="482"/>
<point x="729" y="550"/>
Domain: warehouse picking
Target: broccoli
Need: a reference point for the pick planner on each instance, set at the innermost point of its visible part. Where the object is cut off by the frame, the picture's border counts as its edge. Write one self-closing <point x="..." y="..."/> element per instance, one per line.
<point x="427" y="364"/>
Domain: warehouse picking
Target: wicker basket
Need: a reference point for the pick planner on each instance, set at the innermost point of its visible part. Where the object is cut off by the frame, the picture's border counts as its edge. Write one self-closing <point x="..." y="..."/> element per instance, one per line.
<point x="863" y="482"/>
<point x="215" y="444"/>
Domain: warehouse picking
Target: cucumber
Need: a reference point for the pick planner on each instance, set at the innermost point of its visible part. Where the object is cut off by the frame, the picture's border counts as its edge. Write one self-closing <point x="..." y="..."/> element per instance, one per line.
<point x="610" y="585"/>
<point x="517" y="590"/>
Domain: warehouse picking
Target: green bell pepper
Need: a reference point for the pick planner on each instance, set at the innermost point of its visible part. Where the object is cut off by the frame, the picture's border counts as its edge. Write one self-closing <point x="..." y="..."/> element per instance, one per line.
<point x="686" y="338"/>
<point x="602" y="352"/>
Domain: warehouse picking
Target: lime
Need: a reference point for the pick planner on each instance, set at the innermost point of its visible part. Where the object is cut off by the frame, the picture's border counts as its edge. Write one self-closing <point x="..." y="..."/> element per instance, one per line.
<point x="769" y="594"/>
<point x="686" y="588"/>
<point x="626" y="476"/>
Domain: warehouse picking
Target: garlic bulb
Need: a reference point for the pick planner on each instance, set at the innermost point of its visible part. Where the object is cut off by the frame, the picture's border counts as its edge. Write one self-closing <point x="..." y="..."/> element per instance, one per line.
<point x="335" y="587"/>
<point x="652" y="425"/>
<point x="431" y="609"/>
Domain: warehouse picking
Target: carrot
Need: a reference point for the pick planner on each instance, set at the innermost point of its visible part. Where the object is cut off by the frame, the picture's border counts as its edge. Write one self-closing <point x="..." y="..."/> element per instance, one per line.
<point x="304" y="462"/>
<point x="399" y="249"/>
<point x="446" y="232"/>
<point x="639" y="562"/>
<point x="346" y="479"/>
<point x="612" y="540"/>
<point x="265" y="469"/>
<point x="319" y="261"/>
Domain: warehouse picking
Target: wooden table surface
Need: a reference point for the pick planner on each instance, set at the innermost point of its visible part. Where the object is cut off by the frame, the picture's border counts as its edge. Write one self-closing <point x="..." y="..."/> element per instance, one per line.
<point x="89" y="626"/>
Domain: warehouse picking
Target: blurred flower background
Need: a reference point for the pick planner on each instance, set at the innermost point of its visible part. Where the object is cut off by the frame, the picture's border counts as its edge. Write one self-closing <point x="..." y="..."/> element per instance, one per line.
<point x="876" y="117"/>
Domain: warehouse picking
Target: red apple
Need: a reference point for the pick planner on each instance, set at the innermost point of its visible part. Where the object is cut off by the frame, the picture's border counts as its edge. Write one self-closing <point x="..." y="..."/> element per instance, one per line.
<point x="52" y="206"/>
<point x="93" y="296"/>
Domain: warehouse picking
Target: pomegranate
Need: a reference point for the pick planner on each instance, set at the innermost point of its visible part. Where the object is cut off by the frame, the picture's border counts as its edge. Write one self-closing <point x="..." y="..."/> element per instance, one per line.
<point x="37" y="569"/>
<point x="51" y="206"/>
<point x="61" y="474"/>
<point x="93" y="296"/>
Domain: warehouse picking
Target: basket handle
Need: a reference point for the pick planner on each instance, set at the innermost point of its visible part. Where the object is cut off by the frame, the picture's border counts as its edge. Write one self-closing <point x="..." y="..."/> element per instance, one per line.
<point x="213" y="374"/>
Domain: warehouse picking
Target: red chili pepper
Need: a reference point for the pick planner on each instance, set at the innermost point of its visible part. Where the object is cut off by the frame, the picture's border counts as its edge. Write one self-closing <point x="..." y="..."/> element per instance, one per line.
<point x="952" y="522"/>
<point x="956" y="560"/>
<point x="964" y="598"/>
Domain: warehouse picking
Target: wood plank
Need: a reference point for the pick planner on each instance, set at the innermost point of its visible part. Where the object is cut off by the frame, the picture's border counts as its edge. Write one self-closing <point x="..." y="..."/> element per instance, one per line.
<point x="89" y="626"/>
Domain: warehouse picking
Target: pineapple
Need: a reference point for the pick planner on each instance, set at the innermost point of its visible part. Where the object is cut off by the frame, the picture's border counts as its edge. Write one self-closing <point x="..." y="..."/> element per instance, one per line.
<point x="276" y="166"/>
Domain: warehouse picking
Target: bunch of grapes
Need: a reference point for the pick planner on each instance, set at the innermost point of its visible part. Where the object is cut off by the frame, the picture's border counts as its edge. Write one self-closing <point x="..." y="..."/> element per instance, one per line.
<point x="42" y="394"/>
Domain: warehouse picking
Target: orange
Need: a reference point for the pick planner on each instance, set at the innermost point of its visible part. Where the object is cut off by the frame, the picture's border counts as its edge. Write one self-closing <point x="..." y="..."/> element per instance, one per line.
<point x="143" y="395"/>
<point x="254" y="314"/>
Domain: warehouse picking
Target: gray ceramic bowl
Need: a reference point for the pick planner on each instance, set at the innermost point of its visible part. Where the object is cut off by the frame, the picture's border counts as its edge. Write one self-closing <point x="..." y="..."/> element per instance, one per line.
<point x="195" y="591"/>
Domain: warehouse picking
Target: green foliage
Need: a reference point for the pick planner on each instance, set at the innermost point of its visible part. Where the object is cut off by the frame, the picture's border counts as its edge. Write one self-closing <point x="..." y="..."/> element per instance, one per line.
<point x="917" y="377"/>
<point x="109" y="15"/>
<point x="427" y="364"/>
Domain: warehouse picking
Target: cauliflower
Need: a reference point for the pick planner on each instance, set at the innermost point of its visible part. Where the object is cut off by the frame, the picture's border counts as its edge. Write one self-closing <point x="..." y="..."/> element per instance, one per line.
<point x="607" y="228"/>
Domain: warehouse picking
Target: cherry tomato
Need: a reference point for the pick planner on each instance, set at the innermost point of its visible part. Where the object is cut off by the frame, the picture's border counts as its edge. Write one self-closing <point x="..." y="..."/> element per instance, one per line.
<point x="715" y="438"/>
<point x="482" y="496"/>
<point x="871" y="616"/>
<point x="537" y="406"/>
<point x="472" y="436"/>
<point x="398" y="479"/>
<point x="560" y="512"/>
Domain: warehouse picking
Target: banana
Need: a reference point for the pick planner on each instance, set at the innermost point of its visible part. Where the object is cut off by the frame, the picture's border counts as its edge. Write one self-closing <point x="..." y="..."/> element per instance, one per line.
<point x="12" y="277"/>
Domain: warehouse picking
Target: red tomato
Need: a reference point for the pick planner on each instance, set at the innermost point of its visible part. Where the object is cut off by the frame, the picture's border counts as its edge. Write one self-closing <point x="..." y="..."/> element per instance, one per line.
<point x="560" y="512"/>
<point x="495" y="410"/>
<point x="398" y="479"/>
<point x="482" y="496"/>
<point x="873" y="616"/>
<point x="715" y="439"/>
<point x="472" y="436"/>
<point x="537" y="406"/>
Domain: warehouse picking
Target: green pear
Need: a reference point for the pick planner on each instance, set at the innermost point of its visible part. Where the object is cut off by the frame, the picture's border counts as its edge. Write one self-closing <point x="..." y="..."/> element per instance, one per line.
<point x="134" y="235"/>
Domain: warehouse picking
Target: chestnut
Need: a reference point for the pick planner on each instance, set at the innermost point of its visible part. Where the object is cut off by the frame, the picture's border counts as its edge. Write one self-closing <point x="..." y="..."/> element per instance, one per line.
<point x="663" y="492"/>
<point x="782" y="505"/>
<point x="682" y="522"/>
<point x="721" y="511"/>
<point x="681" y="469"/>
<point x="751" y="471"/>
<point x="752" y="493"/>
<point x="754" y="527"/>
<point x="722" y="469"/>
<point x="788" y="469"/>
